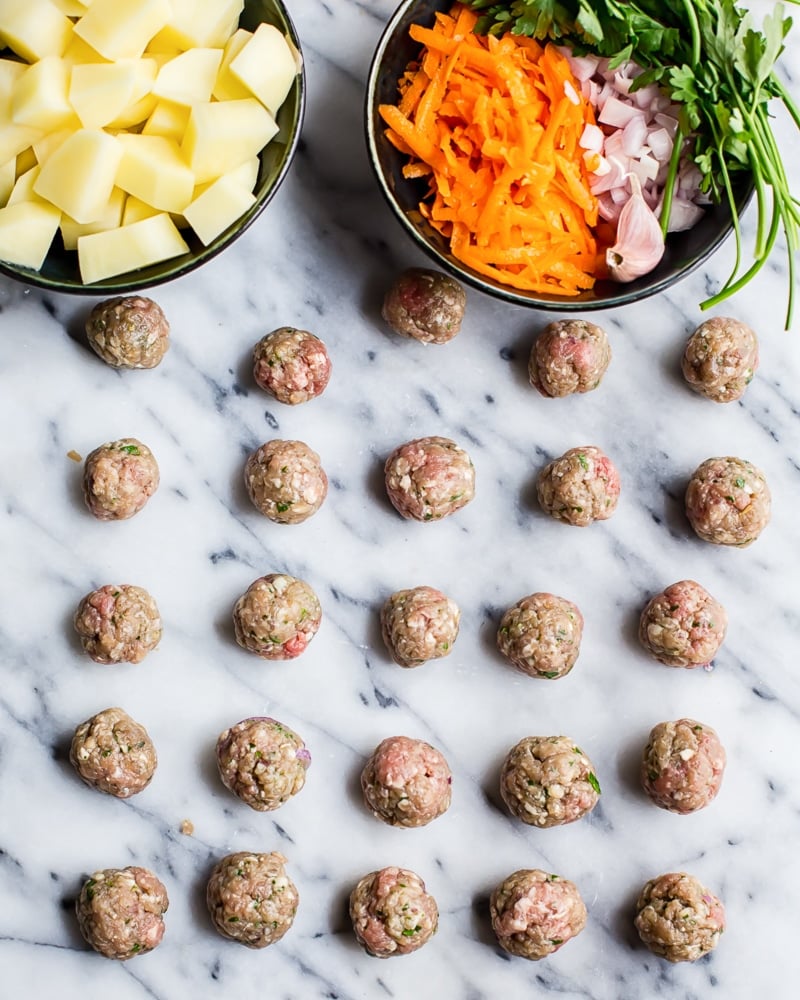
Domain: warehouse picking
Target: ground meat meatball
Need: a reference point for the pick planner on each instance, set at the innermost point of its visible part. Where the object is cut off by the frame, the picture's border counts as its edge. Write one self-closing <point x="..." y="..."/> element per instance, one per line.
<point x="580" y="487"/>
<point x="429" y="478"/>
<point x="682" y="765"/>
<point x="118" y="623"/>
<point x="541" y="635"/>
<point x="570" y="355"/>
<point x="128" y="333"/>
<point x="113" y="754"/>
<point x="678" y="918"/>
<point x="406" y="782"/>
<point x="721" y="359"/>
<point x="534" y="914"/>
<point x="263" y="762"/>
<point x="119" y="478"/>
<point x="548" y="780"/>
<point x="292" y="365"/>
<point x="419" y="625"/>
<point x="277" y="617"/>
<point x="121" y="911"/>
<point x="425" y="305"/>
<point x="728" y="502"/>
<point x="683" y="626"/>
<point x="285" y="481"/>
<point x="251" y="899"/>
<point x="392" y="913"/>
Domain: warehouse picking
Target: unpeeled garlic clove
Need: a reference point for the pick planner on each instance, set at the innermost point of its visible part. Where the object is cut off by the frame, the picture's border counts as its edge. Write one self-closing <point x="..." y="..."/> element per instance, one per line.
<point x="640" y="242"/>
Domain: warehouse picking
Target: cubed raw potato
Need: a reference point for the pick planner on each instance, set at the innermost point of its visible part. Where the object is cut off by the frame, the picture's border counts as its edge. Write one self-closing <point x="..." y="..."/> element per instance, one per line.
<point x="79" y="52"/>
<point x="15" y="138"/>
<point x="10" y="72"/>
<point x="117" y="251"/>
<point x="189" y="77"/>
<point x="49" y="143"/>
<point x="26" y="232"/>
<point x="72" y="8"/>
<point x="34" y="28"/>
<point x="201" y="23"/>
<point x="226" y="86"/>
<point x="39" y="98"/>
<point x="135" y="210"/>
<point x="136" y="114"/>
<point x="266" y="66"/>
<point x="79" y="176"/>
<point x="167" y="119"/>
<point x="71" y="231"/>
<point x="8" y="176"/>
<point x="23" y="187"/>
<point x="217" y="207"/>
<point x="224" y="134"/>
<point x="100" y="92"/>
<point x="121" y="29"/>
<point x="26" y="160"/>
<point x="153" y="169"/>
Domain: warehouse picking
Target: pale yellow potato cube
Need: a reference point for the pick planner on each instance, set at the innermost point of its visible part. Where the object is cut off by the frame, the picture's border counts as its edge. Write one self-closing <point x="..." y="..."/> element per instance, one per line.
<point x="10" y="72"/>
<point x="23" y="187"/>
<point x="99" y="92"/>
<point x="79" y="52"/>
<point x="39" y="98"/>
<point x="221" y="204"/>
<point x="117" y="251"/>
<point x="13" y="138"/>
<point x="224" y="134"/>
<point x="79" y="175"/>
<point x="8" y="176"/>
<point x="136" y="113"/>
<point x="34" y="28"/>
<point x="26" y="160"/>
<point x="26" y="232"/>
<point x="189" y="77"/>
<point x="72" y="8"/>
<point x="244" y="175"/>
<point x="71" y="231"/>
<point x="201" y="23"/>
<point x="153" y="169"/>
<point x="167" y="119"/>
<point x="135" y="210"/>
<point x="121" y="29"/>
<point x="226" y="86"/>
<point x="266" y="66"/>
<point x="165" y="42"/>
<point x="50" y="142"/>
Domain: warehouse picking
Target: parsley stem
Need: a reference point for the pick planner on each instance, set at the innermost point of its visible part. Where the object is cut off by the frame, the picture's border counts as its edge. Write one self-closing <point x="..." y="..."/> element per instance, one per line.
<point x="669" y="183"/>
<point x="697" y="45"/>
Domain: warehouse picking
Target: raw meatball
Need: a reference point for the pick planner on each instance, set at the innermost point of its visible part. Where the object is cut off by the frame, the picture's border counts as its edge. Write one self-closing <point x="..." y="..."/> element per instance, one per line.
<point x="429" y="478"/>
<point x="119" y="478"/>
<point x="425" y="305"/>
<point x="678" y="918"/>
<point x="682" y="765"/>
<point x="683" y="626"/>
<point x="534" y="914"/>
<point x="263" y="762"/>
<point x="128" y="333"/>
<point x="721" y="359"/>
<point x="548" y="780"/>
<point x="285" y="481"/>
<point x="251" y="899"/>
<point x="277" y="617"/>
<point x="570" y="355"/>
<point x="292" y="365"/>
<point x="728" y="502"/>
<point x="406" y="782"/>
<point x="392" y="913"/>
<point x="113" y="754"/>
<point x="580" y="487"/>
<point x="118" y="624"/>
<point x="419" y="625"/>
<point x="541" y="635"/>
<point x="121" y="911"/>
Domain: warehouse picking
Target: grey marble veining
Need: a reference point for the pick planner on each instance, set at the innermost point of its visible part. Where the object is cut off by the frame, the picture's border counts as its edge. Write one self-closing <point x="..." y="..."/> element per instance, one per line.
<point x="320" y="258"/>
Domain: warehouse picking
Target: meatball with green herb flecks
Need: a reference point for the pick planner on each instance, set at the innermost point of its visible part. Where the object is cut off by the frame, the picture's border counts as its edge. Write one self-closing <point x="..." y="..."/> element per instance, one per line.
<point x="392" y="913"/>
<point x="541" y="635"/>
<point x="292" y="365"/>
<point x="130" y="332"/>
<point x="548" y="780"/>
<point x="682" y="765"/>
<point x="425" y="305"/>
<point x="406" y="782"/>
<point x="118" y="623"/>
<point x="678" y="918"/>
<point x="418" y="625"/>
<point x="535" y="913"/>
<point x="683" y="626"/>
<point x="277" y="617"/>
<point x="720" y="359"/>
<point x="263" y="762"/>
<point x="429" y="478"/>
<point x="286" y="481"/>
<point x="580" y="487"/>
<point x="119" y="478"/>
<point x="121" y="911"/>
<point x="568" y="356"/>
<point x="728" y="501"/>
<point x="113" y="754"/>
<point x="251" y="899"/>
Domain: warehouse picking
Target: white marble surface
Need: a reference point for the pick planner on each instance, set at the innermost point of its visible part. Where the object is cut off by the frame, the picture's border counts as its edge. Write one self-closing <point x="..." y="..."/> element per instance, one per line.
<point x="320" y="258"/>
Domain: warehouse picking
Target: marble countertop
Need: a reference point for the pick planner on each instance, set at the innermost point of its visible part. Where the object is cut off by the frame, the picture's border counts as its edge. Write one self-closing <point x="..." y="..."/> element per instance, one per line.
<point x="320" y="258"/>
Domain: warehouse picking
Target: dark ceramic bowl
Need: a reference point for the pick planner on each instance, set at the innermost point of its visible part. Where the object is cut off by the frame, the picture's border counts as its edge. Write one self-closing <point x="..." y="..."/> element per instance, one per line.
<point x="60" y="270"/>
<point x="685" y="251"/>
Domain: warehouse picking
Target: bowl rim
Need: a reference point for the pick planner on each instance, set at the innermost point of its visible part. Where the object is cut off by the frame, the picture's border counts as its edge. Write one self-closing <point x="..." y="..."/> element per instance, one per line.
<point x="117" y="285"/>
<point x="642" y="288"/>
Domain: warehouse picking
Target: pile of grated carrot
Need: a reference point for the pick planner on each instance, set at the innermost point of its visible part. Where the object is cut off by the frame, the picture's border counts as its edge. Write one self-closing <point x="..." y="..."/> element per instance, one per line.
<point x="494" y="124"/>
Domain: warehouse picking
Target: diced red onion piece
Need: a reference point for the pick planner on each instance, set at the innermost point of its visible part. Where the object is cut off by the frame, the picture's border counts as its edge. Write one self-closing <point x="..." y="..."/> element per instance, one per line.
<point x="634" y="136"/>
<point x="592" y="138"/>
<point x="660" y="142"/>
<point x="618" y="114"/>
<point x="683" y="215"/>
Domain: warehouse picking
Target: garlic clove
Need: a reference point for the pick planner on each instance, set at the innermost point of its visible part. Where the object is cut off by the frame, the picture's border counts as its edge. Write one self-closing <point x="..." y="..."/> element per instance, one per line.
<point x="640" y="243"/>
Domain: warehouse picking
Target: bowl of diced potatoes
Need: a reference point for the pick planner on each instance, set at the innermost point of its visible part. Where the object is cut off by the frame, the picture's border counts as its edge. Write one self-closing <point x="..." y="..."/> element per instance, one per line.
<point x="139" y="138"/>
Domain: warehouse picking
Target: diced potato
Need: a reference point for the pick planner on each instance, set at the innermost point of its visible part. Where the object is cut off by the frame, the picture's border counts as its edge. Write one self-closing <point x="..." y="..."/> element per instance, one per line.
<point x="72" y="8"/>
<point x="217" y="207"/>
<point x="246" y="175"/>
<point x="10" y="72"/>
<point x="71" y="231"/>
<point x="226" y="86"/>
<point x="26" y="232"/>
<point x="135" y="210"/>
<point x="222" y="135"/>
<point x="23" y="187"/>
<point x="49" y="143"/>
<point x="201" y="23"/>
<point x="40" y="98"/>
<point x="167" y="119"/>
<point x="15" y="138"/>
<point x="79" y="176"/>
<point x="189" y="77"/>
<point x="153" y="169"/>
<point x="121" y="29"/>
<point x="99" y="92"/>
<point x="266" y="66"/>
<point x="79" y="52"/>
<point x="8" y="176"/>
<point x="34" y="28"/>
<point x="117" y="251"/>
<point x="26" y="160"/>
<point x="136" y="113"/>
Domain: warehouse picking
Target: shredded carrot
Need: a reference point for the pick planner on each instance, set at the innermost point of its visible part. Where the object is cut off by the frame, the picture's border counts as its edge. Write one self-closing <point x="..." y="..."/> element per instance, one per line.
<point x="494" y="125"/>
